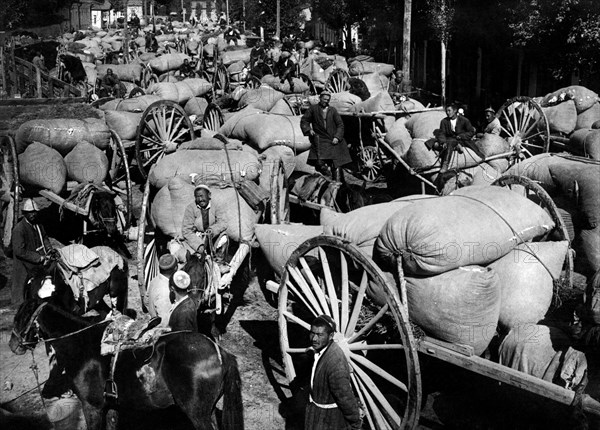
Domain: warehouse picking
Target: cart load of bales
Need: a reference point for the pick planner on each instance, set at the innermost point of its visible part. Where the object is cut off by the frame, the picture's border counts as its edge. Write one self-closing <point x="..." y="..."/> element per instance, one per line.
<point x="54" y="151"/>
<point x="462" y="257"/>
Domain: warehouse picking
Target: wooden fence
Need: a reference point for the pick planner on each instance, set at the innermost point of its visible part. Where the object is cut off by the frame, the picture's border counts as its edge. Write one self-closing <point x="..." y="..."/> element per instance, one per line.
<point x="22" y="77"/>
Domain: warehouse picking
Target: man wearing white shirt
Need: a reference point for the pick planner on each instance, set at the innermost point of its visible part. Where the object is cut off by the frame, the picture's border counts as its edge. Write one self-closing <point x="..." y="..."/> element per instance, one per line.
<point x="332" y="404"/>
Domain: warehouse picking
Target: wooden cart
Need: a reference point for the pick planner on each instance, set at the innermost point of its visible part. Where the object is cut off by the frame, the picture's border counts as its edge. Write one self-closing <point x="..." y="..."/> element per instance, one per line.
<point x="327" y="275"/>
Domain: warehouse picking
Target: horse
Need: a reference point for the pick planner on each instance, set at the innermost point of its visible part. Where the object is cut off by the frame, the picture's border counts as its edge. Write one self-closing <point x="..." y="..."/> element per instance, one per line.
<point x="183" y="368"/>
<point x="200" y="277"/>
<point x="115" y="286"/>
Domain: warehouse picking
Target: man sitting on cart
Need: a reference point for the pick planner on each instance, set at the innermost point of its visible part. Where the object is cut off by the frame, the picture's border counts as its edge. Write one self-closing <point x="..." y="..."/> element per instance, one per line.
<point x="286" y="69"/>
<point x="202" y="226"/>
<point x="112" y="84"/>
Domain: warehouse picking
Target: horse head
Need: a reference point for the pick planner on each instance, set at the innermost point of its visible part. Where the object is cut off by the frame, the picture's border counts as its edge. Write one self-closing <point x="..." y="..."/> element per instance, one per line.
<point x="103" y="212"/>
<point x="195" y="266"/>
<point x="350" y="197"/>
<point x="24" y="333"/>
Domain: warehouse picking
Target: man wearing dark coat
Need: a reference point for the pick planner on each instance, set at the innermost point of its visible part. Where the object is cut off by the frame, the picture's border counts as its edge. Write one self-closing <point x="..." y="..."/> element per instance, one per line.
<point x="30" y="249"/>
<point x="332" y="404"/>
<point x="455" y="129"/>
<point x="325" y="127"/>
<point x="184" y="312"/>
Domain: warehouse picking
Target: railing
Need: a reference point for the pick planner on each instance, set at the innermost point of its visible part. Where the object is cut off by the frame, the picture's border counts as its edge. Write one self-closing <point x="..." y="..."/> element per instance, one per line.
<point x="23" y="78"/>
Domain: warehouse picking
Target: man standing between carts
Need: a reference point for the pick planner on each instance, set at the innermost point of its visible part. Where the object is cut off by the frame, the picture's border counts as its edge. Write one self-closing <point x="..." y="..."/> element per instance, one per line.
<point x="30" y="250"/>
<point x="332" y="404"/>
<point x="324" y="125"/>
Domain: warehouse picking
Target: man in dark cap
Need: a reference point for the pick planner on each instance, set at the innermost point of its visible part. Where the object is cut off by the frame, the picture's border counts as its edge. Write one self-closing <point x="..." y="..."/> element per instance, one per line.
<point x="286" y="69"/>
<point x="30" y="250"/>
<point x="184" y="311"/>
<point x="324" y="125"/>
<point x="332" y="404"/>
<point x="157" y="296"/>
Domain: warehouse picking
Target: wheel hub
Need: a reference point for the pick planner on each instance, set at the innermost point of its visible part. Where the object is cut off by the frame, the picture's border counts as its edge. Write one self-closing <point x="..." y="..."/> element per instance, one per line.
<point x="170" y="147"/>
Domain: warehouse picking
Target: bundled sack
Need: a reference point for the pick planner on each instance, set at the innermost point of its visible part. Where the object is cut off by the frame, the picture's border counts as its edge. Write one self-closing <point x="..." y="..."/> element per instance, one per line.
<point x="543" y="352"/>
<point x="63" y="134"/>
<point x="277" y="242"/>
<point x="234" y="70"/>
<point x="410" y="105"/>
<point x="230" y="57"/>
<point x="209" y="143"/>
<point x="537" y="168"/>
<point x="87" y="164"/>
<point x="581" y="96"/>
<point x="398" y="137"/>
<point x="587" y="118"/>
<point x="302" y="165"/>
<point x="282" y="107"/>
<point x="526" y="281"/>
<point x="588" y="243"/>
<point x="314" y="71"/>
<point x="422" y="125"/>
<point x="164" y="91"/>
<point x="168" y="209"/>
<point x="299" y="85"/>
<point x="460" y="306"/>
<point x="196" y="106"/>
<point x="125" y="72"/>
<point x="562" y="118"/>
<point x="192" y="87"/>
<point x="136" y="104"/>
<point x="167" y="62"/>
<point x="585" y="142"/>
<point x="491" y="144"/>
<point x="379" y="102"/>
<point x="480" y="175"/>
<point x="270" y="158"/>
<point x="43" y="167"/>
<point x="263" y="98"/>
<point x="473" y="225"/>
<point x="580" y="182"/>
<point x="262" y="130"/>
<point x="362" y="226"/>
<point x="123" y="123"/>
<point x="211" y="166"/>
<point x="419" y="156"/>
<point x="376" y="83"/>
<point x="344" y="101"/>
<point x="358" y="68"/>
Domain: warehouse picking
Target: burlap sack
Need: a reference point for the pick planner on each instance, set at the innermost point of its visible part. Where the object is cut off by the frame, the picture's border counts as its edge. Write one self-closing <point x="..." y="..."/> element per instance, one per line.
<point x="460" y="306"/>
<point x="376" y="83"/>
<point x="421" y="125"/>
<point x="212" y="167"/>
<point x="125" y="72"/>
<point x="344" y="101"/>
<point x="419" y="156"/>
<point x="398" y="137"/>
<point x="208" y="143"/>
<point x="526" y="281"/>
<point x="562" y="118"/>
<point x="588" y="117"/>
<point x="42" y="167"/>
<point x="381" y="101"/>
<point x="167" y="62"/>
<point x="86" y="164"/>
<point x="165" y="91"/>
<point x="581" y="96"/>
<point x="123" y="123"/>
<point x="270" y="160"/>
<point x="537" y="168"/>
<point x="585" y="142"/>
<point x="274" y="82"/>
<point x="63" y="134"/>
<point x="136" y="104"/>
<point x="473" y="225"/>
<point x="189" y="88"/>
<point x="358" y="68"/>
<point x="196" y="106"/>
<point x="282" y="108"/>
<point x="262" y="98"/>
<point x="230" y="57"/>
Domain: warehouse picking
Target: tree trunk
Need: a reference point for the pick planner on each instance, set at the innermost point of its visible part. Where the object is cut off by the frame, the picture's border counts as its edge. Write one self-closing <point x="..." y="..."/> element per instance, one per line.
<point x="443" y="76"/>
<point x="278" y="25"/>
<point x="349" y="45"/>
<point x="406" y="43"/>
<point x="126" y="36"/>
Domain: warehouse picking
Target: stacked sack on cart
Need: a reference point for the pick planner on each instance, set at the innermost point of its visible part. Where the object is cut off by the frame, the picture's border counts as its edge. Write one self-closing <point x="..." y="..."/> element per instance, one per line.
<point x="124" y="115"/>
<point x="472" y="262"/>
<point x="54" y="150"/>
<point x="574" y="185"/>
<point x="575" y="112"/>
<point x="207" y="160"/>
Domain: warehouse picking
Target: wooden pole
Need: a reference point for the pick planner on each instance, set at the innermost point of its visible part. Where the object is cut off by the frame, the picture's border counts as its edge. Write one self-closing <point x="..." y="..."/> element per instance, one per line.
<point x="126" y="36"/>
<point x="443" y="74"/>
<point x="406" y="42"/>
<point x="3" y="69"/>
<point x="38" y="82"/>
<point x="278" y="24"/>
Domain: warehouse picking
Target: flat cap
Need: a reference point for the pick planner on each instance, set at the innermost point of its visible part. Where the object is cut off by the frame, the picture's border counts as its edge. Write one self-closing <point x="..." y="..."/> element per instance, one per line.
<point x="167" y="262"/>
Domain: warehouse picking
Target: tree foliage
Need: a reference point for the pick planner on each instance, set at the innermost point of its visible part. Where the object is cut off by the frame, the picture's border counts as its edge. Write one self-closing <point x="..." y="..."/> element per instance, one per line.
<point x="31" y="13"/>
<point x="440" y="17"/>
<point x="263" y="13"/>
<point x="567" y="30"/>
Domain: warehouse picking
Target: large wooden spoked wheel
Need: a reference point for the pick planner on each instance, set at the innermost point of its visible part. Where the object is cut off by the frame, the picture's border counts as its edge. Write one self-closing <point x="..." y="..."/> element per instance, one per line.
<point x="163" y="127"/>
<point x="220" y="81"/>
<point x="213" y="117"/>
<point x="370" y="163"/>
<point x="327" y="275"/>
<point x="9" y="186"/>
<point x="147" y="255"/>
<point x="534" y="192"/>
<point x="279" y="204"/>
<point x="524" y="125"/>
<point x="120" y="175"/>
<point x="148" y="78"/>
<point x="337" y="81"/>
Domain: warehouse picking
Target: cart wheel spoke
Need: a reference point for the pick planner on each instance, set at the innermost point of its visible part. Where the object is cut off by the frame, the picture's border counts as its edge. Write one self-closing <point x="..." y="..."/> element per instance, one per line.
<point x="362" y="400"/>
<point x="174" y="128"/>
<point x="345" y="293"/>
<point x="315" y="285"/>
<point x="357" y="304"/>
<point x="297" y="320"/>
<point x="306" y="291"/>
<point x="365" y="329"/>
<point x="378" y="371"/>
<point x="333" y="300"/>
<point x="155" y="157"/>
<point x="372" y="406"/>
